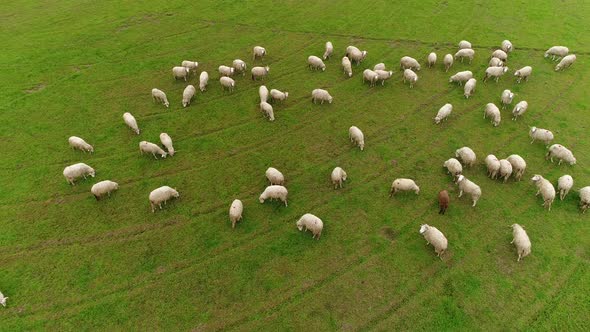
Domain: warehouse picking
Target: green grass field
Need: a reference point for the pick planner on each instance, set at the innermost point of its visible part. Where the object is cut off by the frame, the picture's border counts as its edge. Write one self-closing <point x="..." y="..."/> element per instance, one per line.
<point x="68" y="262"/>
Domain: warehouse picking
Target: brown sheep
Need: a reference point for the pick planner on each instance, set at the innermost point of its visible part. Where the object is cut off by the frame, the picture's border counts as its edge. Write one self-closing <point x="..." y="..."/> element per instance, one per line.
<point x="443" y="201"/>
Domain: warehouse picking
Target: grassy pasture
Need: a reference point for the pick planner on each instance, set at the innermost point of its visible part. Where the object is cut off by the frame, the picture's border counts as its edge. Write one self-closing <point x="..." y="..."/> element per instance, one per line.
<point x="70" y="263"/>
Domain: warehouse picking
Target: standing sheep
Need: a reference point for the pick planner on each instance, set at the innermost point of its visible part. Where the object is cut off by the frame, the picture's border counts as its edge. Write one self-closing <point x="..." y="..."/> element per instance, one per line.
<point x="371" y="76"/>
<point x="518" y="165"/>
<point x="465" y="53"/>
<point x="355" y="55"/>
<point x="564" y="184"/>
<point x="493" y="112"/>
<point x="166" y="141"/>
<point x="329" y="50"/>
<point x="407" y="62"/>
<point x="431" y="59"/>
<point x="73" y="172"/>
<point x="546" y="190"/>
<point x="274" y="192"/>
<point x="321" y="95"/>
<point x="557" y="52"/>
<point x="469" y="87"/>
<point x="565" y="62"/>
<point x="443" y="201"/>
<point x="203" y="81"/>
<point x="277" y="95"/>
<point x="562" y="153"/>
<point x="462" y="76"/>
<point x="239" y="66"/>
<point x="495" y="72"/>
<point x="235" y="212"/>
<point x="403" y="185"/>
<point x="130" y="122"/>
<point x="226" y="71"/>
<point x="506" y="98"/>
<point x="160" y="96"/>
<point x="464" y="44"/>
<point x="258" y="52"/>
<point x="227" y="83"/>
<point x="523" y="72"/>
<point x="453" y="167"/>
<point x="505" y="169"/>
<point x="3" y="299"/>
<point x="500" y="55"/>
<point x="180" y="72"/>
<point x="495" y="62"/>
<point x="312" y="223"/>
<point x="466" y="155"/>
<point x="410" y="76"/>
<point x="585" y="199"/>
<point x="519" y="109"/>
<point x="493" y="165"/>
<point x="443" y="113"/>
<point x="543" y="135"/>
<point x="314" y="63"/>
<point x="506" y="46"/>
<point x="347" y="66"/>
<point x="147" y="147"/>
<point x="448" y="61"/>
<point x="521" y="241"/>
<point x="469" y="187"/>
<point x="162" y="195"/>
<point x="338" y="176"/>
<point x="191" y="65"/>
<point x="80" y="144"/>
<point x="356" y="137"/>
<point x="103" y="187"/>
<point x="274" y="176"/>
<point x="436" y="238"/>
<point x="259" y="72"/>
<point x="263" y="93"/>
<point x="266" y="108"/>
<point x="379" y="66"/>
<point x="187" y="95"/>
<point x="383" y="75"/>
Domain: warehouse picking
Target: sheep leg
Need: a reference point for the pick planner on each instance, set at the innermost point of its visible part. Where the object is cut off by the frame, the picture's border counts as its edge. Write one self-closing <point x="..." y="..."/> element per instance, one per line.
<point x="461" y="193"/>
<point x="511" y="242"/>
<point x="153" y="154"/>
<point x="559" y="163"/>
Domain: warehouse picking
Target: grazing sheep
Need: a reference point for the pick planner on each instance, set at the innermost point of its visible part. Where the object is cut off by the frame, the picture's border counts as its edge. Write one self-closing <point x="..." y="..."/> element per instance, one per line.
<point x="506" y="46"/>
<point x="436" y="238"/>
<point x="347" y="66"/>
<point x="448" y="61"/>
<point x="3" y="299"/>
<point x="403" y="185"/>
<point x="443" y="201"/>
<point x="505" y="169"/>
<point x="103" y="187"/>
<point x="562" y="153"/>
<point x="258" y="52"/>
<point x="379" y="66"/>
<point x="500" y="55"/>
<point x="321" y="95"/>
<point x="383" y="75"/>
<point x="80" y="144"/>
<point x="235" y="212"/>
<point x="469" y="187"/>
<point x="277" y="95"/>
<point x="506" y="98"/>
<point x="521" y="241"/>
<point x="274" y="176"/>
<point x="443" y="113"/>
<point x="565" y="62"/>
<point x="469" y="87"/>
<point x="160" y="96"/>
<point x="410" y="76"/>
<point x="274" y="192"/>
<point x="338" y="176"/>
<point x="147" y="147"/>
<point x="543" y="135"/>
<point x="180" y="72"/>
<point x="259" y="72"/>
<point x="407" y="62"/>
<point x="519" y="109"/>
<point x="462" y="76"/>
<point x="371" y="76"/>
<point x="431" y="59"/>
<point x="226" y="71"/>
<point x="191" y="65"/>
<point x="314" y="62"/>
<point x="161" y="195"/>
<point x="356" y="136"/>
<point x="73" y="172"/>
<point x="585" y="199"/>
<point x="203" y="81"/>
<point x="312" y="223"/>
<point x="495" y="62"/>
<point x="266" y="108"/>
<point x="329" y="50"/>
<point x="493" y="165"/>
<point x="523" y="72"/>
<point x="557" y="52"/>
<point x="495" y="72"/>
<point x="518" y="165"/>
<point x="453" y="167"/>
<point x="465" y="53"/>
<point x="355" y="55"/>
<point x="546" y="189"/>
<point x="188" y="94"/>
<point x="464" y="44"/>
<point x="466" y="155"/>
<point x="239" y="66"/>
<point x="493" y="112"/>
<point x="564" y="184"/>
<point x="227" y="83"/>
<point x="130" y="122"/>
<point x="166" y="141"/>
<point x="263" y="93"/>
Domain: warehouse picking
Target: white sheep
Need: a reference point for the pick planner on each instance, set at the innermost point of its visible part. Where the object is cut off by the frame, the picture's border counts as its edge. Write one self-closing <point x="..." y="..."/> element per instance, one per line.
<point x="564" y="184"/>
<point x="500" y="55"/>
<point x="462" y="76"/>
<point x="453" y="167"/>
<point x="227" y="83"/>
<point x="166" y="141"/>
<point x="357" y="137"/>
<point x="274" y="176"/>
<point x="130" y="122"/>
<point x="466" y="155"/>
<point x="356" y="55"/>
<point x="407" y="62"/>
<point x="226" y="71"/>
<point x="469" y="187"/>
<point x="263" y="93"/>
<point x="495" y="62"/>
<point x="493" y="112"/>
<point x="523" y="72"/>
<point x="448" y="61"/>
<point x="103" y="187"/>
<point x="268" y="111"/>
<point x="191" y="65"/>
<point x="321" y="95"/>
<point x="403" y="185"/>
<point x="259" y="72"/>
<point x="410" y="76"/>
<point x="338" y="176"/>
<point x="188" y="94"/>
<point x="557" y="52"/>
<point x="469" y="87"/>
<point x="465" y="53"/>
<point x="585" y="199"/>
<point x="235" y="212"/>
<point x="436" y="238"/>
<point x="543" y="135"/>
<point x="312" y="223"/>
<point x="73" y="172"/>
<point x="277" y="95"/>
<point x="371" y="76"/>
<point x="521" y="241"/>
<point x="159" y="96"/>
<point x="431" y="59"/>
<point x="258" y="52"/>
<point x="505" y="169"/>
<point x="493" y="165"/>
<point x="239" y="66"/>
<point x="506" y="98"/>
<point x="546" y="189"/>
<point x="495" y="72"/>
<point x="329" y="50"/>
<point x="562" y="153"/>
<point x="518" y="166"/>
<point x="443" y="113"/>
<point x="464" y="44"/>
<point x="162" y="195"/>
<point x="274" y="192"/>
<point x="383" y="75"/>
<point x="567" y="61"/>
<point x="506" y="46"/>
<point x="379" y="66"/>
<point x="203" y="81"/>
<point x="80" y="144"/>
<point x="519" y="109"/>
<point x="347" y="66"/>
<point x="180" y="72"/>
<point x="314" y="62"/>
<point x="147" y="147"/>
<point x="3" y="299"/>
